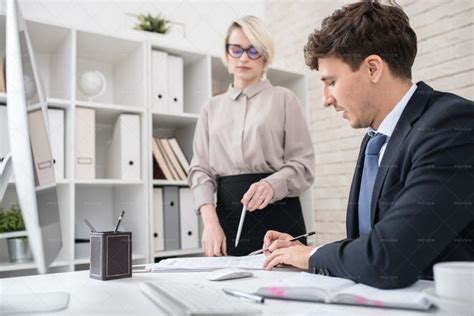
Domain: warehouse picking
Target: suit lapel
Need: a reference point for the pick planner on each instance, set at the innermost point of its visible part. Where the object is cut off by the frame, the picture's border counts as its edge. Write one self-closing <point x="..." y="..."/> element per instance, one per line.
<point x="414" y="109"/>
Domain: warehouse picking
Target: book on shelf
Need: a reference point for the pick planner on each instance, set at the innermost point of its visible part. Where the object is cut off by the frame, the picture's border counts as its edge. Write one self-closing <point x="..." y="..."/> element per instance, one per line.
<point x="174" y="173"/>
<point x="157" y="171"/>
<point x="179" y="154"/>
<point x="173" y="159"/>
<point x="319" y="288"/>
<point x="160" y="160"/>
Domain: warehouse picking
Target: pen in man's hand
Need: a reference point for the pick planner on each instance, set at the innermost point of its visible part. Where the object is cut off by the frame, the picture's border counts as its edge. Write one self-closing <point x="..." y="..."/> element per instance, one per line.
<point x="256" y="252"/>
<point x="119" y="220"/>
<point x="252" y="297"/>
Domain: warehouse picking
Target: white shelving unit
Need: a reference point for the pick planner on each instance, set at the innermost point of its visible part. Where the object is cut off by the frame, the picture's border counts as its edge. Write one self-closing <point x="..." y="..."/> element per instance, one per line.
<point x="63" y="54"/>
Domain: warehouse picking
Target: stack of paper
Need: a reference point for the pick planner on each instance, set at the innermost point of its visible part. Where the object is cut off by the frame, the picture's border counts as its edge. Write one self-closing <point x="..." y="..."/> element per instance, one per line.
<point x="209" y="263"/>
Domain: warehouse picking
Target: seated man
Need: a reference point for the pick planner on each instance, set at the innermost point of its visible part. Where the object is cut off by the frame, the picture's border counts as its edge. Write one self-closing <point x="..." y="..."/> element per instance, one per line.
<point x="411" y="203"/>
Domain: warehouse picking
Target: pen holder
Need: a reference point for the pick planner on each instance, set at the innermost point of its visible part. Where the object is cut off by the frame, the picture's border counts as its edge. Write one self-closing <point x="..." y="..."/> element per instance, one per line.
<point x="111" y="255"/>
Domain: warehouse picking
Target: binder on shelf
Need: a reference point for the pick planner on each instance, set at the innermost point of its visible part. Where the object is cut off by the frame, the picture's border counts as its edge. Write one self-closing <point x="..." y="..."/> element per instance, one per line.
<point x="124" y="151"/>
<point x="188" y="220"/>
<point x="159" y="81"/>
<point x="41" y="148"/>
<point x="175" y="84"/>
<point x="160" y="159"/>
<point x="171" y="217"/>
<point x="158" y="228"/>
<point x="56" y="131"/>
<point x="168" y="162"/>
<point x="85" y="143"/>
<point x="179" y="154"/>
<point x="173" y="160"/>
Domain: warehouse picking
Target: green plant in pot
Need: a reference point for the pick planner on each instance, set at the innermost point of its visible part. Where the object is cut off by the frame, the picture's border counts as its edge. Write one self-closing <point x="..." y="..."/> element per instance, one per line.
<point x="149" y="23"/>
<point x="12" y="221"/>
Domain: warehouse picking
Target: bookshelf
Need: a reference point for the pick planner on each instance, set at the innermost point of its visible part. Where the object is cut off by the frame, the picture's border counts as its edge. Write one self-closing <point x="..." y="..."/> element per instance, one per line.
<point x="63" y="54"/>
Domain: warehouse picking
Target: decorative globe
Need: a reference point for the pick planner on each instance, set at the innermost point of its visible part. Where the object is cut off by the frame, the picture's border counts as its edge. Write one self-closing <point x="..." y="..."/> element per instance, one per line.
<point x="92" y="84"/>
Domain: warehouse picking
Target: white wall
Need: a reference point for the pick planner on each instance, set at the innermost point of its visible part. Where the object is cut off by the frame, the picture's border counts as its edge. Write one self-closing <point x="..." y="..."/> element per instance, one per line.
<point x="205" y="21"/>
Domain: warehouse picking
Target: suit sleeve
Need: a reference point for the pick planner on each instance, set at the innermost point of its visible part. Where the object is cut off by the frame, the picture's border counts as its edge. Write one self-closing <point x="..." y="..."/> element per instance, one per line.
<point x="432" y="205"/>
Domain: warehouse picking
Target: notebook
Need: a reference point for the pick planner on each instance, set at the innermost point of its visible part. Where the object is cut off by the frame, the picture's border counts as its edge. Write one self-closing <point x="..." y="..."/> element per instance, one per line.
<point x="319" y="288"/>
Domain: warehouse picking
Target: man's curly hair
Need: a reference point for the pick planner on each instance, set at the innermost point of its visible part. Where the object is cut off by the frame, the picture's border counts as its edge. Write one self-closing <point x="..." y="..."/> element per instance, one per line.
<point x="361" y="29"/>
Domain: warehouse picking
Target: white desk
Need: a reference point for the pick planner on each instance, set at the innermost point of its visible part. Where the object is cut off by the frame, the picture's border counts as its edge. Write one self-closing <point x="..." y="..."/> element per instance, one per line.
<point x="123" y="296"/>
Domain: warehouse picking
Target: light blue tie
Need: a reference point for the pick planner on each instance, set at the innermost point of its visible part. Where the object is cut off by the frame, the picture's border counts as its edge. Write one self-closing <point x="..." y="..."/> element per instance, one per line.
<point x="371" y="165"/>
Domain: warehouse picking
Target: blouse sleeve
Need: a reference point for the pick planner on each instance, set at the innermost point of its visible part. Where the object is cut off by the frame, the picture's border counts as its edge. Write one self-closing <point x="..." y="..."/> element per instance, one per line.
<point x="200" y="178"/>
<point x="297" y="172"/>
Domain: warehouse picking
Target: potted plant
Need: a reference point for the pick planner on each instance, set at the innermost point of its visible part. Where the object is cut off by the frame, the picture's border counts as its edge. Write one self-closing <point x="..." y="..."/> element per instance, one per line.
<point x="151" y="23"/>
<point x="11" y="221"/>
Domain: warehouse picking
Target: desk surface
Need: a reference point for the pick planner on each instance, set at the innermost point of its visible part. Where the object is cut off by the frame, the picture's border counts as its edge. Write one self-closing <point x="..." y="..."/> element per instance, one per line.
<point x="123" y="296"/>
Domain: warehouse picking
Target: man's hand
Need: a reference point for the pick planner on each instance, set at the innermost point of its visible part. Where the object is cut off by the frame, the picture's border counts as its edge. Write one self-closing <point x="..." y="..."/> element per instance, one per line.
<point x="257" y="196"/>
<point x="297" y="256"/>
<point x="274" y="240"/>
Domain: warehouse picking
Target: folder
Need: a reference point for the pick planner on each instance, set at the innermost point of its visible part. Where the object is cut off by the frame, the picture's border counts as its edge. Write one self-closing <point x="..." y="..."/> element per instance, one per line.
<point x="173" y="160"/>
<point x="159" y="81"/>
<point x="123" y="156"/>
<point x="171" y="217"/>
<point x="175" y="84"/>
<point x="85" y="143"/>
<point x="158" y="229"/>
<point x="41" y="148"/>
<point x="56" y="131"/>
<point x="188" y="220"/>
<point x="179" y="154"/>
<point x="160" y="159"/>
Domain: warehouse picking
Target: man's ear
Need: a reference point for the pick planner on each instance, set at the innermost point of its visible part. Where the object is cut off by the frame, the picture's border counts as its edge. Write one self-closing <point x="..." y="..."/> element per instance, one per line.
<point x="375" y="67"/>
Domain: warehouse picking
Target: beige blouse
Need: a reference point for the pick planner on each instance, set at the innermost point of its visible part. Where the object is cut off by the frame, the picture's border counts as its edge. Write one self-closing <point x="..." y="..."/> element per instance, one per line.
<point x="261" y="129"/>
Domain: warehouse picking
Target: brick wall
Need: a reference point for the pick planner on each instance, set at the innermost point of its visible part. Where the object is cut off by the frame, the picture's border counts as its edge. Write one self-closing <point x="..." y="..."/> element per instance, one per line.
<point x="445" y="61"/>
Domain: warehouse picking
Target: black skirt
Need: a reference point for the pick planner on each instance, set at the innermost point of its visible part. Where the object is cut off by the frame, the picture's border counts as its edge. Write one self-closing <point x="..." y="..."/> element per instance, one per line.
<point x="284" y="215"/>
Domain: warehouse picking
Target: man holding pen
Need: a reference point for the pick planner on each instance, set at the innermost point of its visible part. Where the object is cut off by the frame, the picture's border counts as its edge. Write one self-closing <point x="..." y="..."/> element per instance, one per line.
<point x="411" y="199"/>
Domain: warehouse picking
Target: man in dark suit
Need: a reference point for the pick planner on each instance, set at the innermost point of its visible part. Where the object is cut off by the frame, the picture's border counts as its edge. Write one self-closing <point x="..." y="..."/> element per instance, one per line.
<point x="411" y="203"/>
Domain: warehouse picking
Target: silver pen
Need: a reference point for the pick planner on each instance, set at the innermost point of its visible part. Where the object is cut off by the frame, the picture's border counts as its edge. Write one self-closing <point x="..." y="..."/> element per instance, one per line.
<point x="241" y="224"/>
<point x="256" y="252"/>
<point x="251" y="297"/>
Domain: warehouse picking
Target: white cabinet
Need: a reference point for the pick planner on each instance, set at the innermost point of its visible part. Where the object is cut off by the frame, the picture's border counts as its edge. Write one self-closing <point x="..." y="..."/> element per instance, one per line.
<point x="127" y="65"/>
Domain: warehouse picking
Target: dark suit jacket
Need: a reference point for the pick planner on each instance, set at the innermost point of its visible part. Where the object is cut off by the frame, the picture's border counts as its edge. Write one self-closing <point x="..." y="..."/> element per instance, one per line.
<point x="423" y="198"/>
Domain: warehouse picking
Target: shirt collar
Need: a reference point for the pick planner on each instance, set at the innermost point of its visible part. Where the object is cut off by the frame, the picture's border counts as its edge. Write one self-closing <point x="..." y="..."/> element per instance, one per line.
<point x="390" y="121"/>
<point x="250" y="91"/>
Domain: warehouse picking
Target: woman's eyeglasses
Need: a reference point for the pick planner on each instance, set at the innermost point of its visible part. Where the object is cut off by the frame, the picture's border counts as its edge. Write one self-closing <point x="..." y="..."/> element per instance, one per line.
<point x="236" y="51"/>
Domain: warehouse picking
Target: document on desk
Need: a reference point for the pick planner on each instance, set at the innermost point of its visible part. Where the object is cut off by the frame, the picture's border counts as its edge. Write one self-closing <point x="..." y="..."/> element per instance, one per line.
<point x="319" y="288"/>
<point x="209" y="263"/>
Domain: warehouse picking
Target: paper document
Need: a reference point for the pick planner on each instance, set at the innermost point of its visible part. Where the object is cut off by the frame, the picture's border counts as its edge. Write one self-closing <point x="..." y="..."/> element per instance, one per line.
<point x="209" y="263"/>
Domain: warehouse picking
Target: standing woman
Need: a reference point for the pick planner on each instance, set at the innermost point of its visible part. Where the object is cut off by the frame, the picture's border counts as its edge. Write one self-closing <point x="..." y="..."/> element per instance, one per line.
<point x="252" y="145"/>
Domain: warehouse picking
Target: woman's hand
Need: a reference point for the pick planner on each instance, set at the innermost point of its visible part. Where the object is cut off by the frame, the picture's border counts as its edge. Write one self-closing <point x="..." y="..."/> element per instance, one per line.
<point x="213" y="237"/>
<point x="257" y="196"/>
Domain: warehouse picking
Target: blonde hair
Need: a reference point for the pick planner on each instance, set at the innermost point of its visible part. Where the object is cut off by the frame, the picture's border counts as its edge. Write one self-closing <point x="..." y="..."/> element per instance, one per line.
<point x="258" y="35"/>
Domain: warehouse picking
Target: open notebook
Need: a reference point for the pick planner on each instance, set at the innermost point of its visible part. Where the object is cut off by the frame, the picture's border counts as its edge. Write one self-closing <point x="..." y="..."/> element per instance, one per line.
<point x="319" y="288"/>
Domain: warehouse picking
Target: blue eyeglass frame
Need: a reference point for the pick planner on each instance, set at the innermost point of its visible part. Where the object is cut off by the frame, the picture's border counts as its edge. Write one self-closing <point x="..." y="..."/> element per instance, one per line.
<point x="246" y="50"/>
